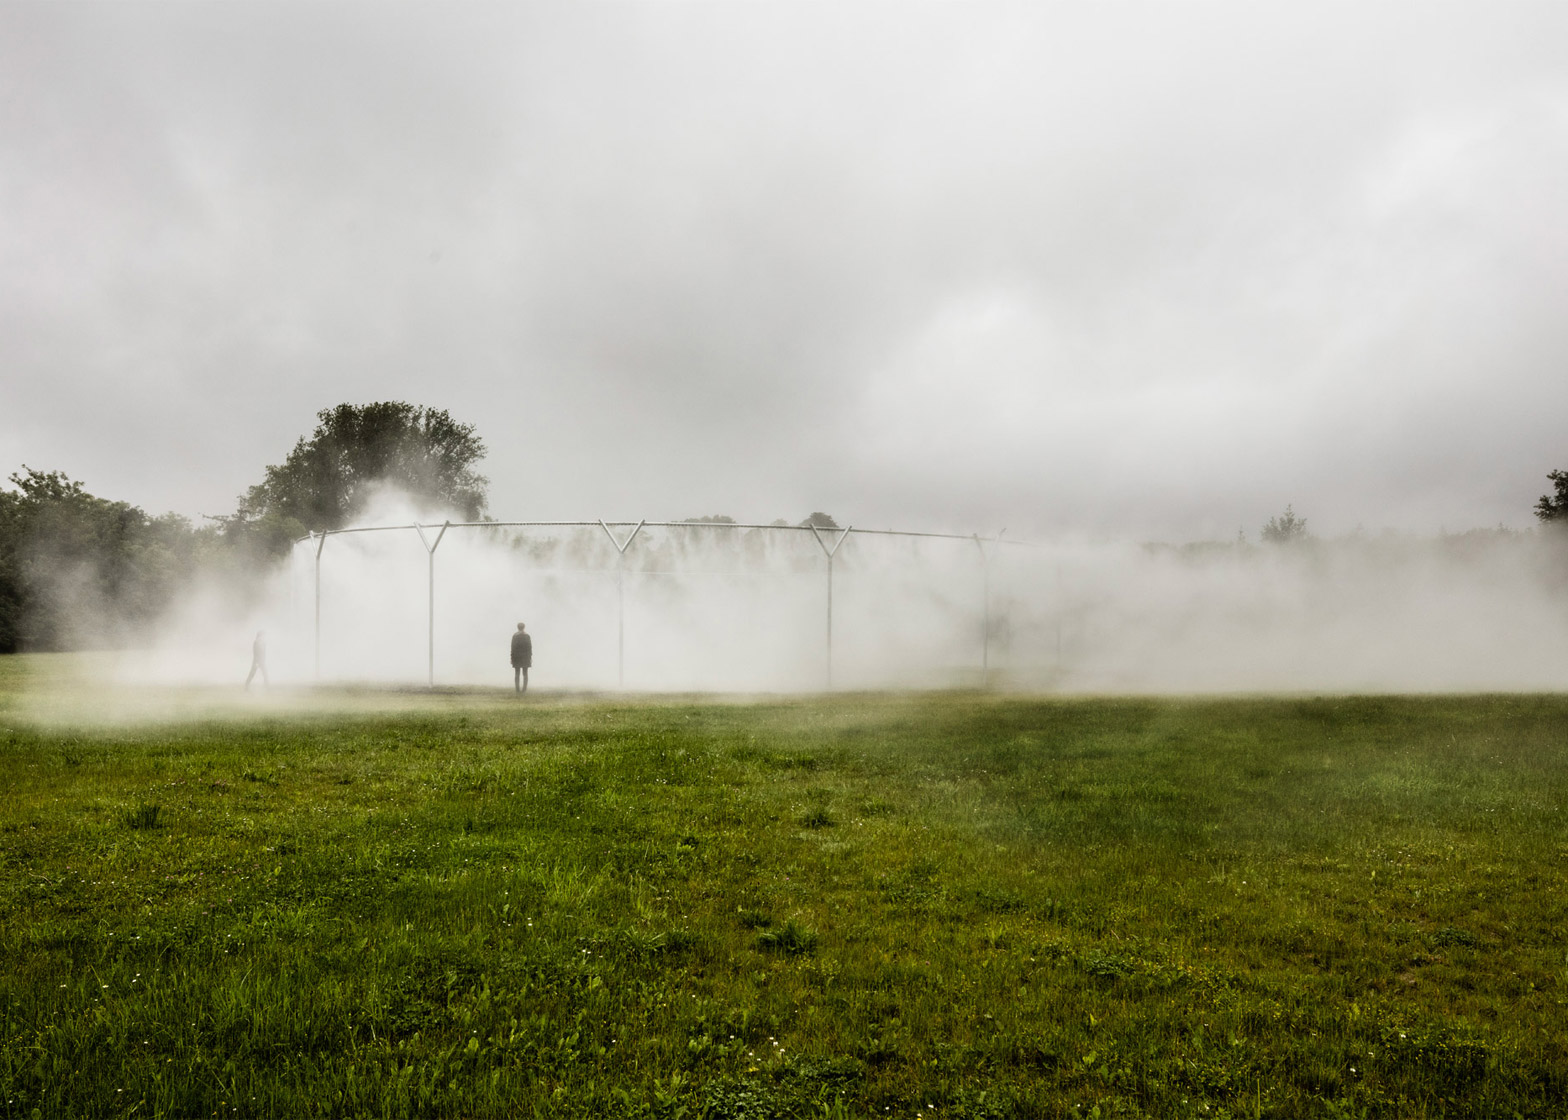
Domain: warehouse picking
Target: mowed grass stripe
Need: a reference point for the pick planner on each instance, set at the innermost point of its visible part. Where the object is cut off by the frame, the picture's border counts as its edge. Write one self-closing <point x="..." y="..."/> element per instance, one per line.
<point x="953" y="905"/>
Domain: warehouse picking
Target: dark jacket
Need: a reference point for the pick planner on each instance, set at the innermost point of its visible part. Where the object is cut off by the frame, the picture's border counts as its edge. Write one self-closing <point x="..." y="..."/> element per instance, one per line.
<point x="522" y="651"/>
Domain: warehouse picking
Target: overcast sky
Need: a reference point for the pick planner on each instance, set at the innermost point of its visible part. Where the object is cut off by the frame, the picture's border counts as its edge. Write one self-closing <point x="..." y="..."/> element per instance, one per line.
<point x="1151" y="271"/>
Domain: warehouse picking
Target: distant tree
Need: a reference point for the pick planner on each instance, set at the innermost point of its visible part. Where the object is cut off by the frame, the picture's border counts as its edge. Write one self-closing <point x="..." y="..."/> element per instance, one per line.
<point x="1287" y="528"/>
<point x="821" y="521"/>
<point x="715" y="519"/>
<point x="327" y="479"/>
<point x="1554" y="508"/>
<point x="77" y="571"/>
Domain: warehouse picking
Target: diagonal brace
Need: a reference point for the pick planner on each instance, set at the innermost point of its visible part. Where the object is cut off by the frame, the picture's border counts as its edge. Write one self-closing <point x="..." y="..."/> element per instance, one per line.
<point x="821" y="543"/>
<point x="429" y="546"/>
<point x="621" y="546"/>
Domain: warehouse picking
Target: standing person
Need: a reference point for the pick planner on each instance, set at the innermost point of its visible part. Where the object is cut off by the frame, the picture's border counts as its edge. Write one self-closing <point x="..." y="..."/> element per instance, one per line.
<point x="258" y="660"/>
<point x="522" y="658"/>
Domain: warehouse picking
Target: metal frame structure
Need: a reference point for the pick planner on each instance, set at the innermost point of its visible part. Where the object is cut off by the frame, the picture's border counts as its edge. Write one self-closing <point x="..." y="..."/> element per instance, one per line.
<point x="620" y="597"/>
<point x="985" y="545"/>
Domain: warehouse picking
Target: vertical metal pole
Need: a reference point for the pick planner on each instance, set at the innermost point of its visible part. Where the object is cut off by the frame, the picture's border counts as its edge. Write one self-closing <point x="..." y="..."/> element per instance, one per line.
<point x="829" y="553"/>
<point x="985" y="610"/>
<point x="830" y="622"/>
<point x="620" y="598"/>
<point x="985" y="614"/>
<point x="985" y="645"/>
<point x="430" y="555"/>
<point x="320" y="543"/>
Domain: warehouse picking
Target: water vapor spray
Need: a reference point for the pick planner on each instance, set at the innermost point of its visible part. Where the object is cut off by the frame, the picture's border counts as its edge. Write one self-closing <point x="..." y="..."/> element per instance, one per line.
<point x="705" y="607"/>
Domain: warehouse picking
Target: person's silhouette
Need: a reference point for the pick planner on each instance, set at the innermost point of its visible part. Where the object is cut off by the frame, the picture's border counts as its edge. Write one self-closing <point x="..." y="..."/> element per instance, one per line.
<point x="258" y="660"/>
<point x="522" y="658"/>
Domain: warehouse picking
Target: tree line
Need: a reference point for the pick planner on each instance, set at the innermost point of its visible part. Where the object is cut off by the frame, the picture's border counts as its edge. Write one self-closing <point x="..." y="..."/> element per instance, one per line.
<point x="78" y="571"/>
<point x="81" y="572"/>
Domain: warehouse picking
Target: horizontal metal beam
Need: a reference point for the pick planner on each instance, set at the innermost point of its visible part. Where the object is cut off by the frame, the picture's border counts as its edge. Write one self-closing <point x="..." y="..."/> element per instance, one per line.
<point x="726" y="525"/>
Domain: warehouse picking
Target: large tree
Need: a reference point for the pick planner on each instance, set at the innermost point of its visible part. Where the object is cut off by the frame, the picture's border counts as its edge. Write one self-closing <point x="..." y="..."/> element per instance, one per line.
<point x="1555" y="508"/>
<point x="327" y="479"/>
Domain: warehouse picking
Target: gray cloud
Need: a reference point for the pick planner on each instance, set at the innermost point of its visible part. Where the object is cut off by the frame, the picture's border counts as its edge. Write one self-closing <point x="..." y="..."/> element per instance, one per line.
<point x="1144" y="270"/>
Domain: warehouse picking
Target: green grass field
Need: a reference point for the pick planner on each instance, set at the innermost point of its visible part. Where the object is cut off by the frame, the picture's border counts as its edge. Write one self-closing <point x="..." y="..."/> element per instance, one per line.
<point x="937" y="905"/>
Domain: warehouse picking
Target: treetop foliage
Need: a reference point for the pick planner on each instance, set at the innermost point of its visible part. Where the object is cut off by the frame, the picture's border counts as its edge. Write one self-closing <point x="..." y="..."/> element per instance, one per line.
<point x="1287" y="528"/>
<point x="1554" y="508"/>
<point x="327" y="479"/>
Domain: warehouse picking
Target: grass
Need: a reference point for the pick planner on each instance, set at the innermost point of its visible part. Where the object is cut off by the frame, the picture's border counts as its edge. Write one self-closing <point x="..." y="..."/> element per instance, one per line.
<point x="951" y="905"/>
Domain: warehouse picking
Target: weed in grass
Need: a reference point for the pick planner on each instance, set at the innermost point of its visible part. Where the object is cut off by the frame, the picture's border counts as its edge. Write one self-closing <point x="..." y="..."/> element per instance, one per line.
<point x="1105" y="965"/>
<point x="145" y="815"/>
<point x="752" y="919"/>
<point x="741" y="1099"/>
<point x="1448" y="936"/>
<point x="791" y="938"/>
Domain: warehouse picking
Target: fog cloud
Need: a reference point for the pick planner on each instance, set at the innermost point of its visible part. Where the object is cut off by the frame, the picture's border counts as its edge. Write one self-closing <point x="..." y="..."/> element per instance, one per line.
<point x="708" y="607"/>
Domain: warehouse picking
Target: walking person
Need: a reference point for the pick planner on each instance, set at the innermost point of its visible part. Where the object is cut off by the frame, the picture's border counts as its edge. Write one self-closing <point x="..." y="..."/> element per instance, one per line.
<point x="258" y="661"/>
<point x="522" y="658"/>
